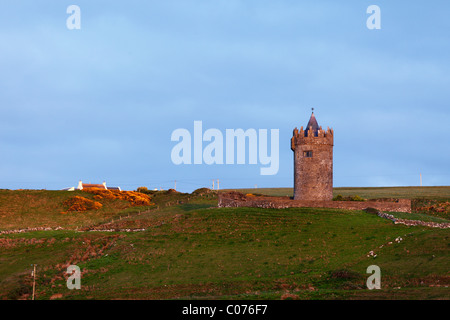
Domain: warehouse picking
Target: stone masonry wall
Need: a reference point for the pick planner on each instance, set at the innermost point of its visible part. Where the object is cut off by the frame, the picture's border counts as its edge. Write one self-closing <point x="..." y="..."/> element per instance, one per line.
<point x="236" y="199"/>
<point x="313" y="176"/>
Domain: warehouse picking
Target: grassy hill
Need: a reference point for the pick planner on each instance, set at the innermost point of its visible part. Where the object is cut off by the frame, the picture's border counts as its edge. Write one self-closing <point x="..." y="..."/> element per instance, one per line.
<point x="193" y="250"/>
<point x="42" y="208"/>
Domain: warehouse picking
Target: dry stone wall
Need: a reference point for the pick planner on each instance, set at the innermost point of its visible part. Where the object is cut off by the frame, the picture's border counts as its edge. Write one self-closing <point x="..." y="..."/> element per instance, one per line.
<point x="441" y="225"/>
<point x="236" y="199"/>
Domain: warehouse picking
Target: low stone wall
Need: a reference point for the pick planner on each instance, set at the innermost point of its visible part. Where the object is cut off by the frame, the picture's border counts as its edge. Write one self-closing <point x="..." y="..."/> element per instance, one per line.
<point x="236" y="199"/>
<point x="29" y="230"/>
<point x="441" y="225"/>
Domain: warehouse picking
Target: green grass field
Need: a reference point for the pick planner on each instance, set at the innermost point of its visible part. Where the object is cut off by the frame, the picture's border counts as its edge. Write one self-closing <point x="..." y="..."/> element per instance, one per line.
<point x="432" y="193"/>
<point x="191" y="249"/>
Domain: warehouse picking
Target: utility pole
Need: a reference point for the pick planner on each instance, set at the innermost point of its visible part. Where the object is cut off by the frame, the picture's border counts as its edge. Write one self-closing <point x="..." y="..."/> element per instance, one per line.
<point x="213" y="184"/>
<point x="217" y="184"/>
<point x="34" y="280"/>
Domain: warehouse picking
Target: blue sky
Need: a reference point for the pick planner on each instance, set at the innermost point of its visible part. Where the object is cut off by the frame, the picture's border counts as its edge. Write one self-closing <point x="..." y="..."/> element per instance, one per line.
<point x="101" y="103"/>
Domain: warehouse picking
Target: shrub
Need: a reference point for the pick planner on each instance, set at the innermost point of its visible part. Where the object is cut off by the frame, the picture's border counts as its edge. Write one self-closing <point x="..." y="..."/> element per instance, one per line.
<point x="371" y="210"/>
<point x="357" y="198"/>
<point x="202" y="191"/>
<point x="142" y="190"/>
<point x="134" y="198"/>
<point x="350" y="198"/>
<point x="77" y="203"/>
<point x="145" y="190"/>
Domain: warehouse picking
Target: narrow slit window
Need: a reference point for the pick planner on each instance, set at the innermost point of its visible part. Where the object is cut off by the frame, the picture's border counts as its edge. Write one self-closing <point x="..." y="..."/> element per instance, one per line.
<point x="307" y="154"/>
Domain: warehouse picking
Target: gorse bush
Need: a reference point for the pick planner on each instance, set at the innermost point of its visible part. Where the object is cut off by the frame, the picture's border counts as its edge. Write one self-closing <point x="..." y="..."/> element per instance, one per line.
<point x="134" y="198"/>
<point x="80" y="204"/>
<point x="349" y="198"/>
<point x="142" y="190"/>
<point x="357" y="198"/>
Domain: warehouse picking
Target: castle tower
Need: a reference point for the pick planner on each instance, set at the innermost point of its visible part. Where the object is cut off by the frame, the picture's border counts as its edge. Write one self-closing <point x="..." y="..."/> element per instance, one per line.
<point x="313" y="162"/>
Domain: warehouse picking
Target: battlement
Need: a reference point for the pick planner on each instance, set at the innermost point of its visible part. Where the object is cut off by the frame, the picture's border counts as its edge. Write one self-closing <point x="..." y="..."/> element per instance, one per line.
<point x="321" y="136"/>
<point x="313" y="162"/>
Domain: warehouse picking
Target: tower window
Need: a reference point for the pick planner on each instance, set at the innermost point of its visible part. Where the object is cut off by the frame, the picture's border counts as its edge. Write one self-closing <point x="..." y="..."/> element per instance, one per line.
<point x="307" y="154"/>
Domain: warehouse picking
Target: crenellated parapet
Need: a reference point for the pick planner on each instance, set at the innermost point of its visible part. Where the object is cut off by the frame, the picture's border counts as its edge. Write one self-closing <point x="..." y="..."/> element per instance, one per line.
<point x="313" y="162"/>
<point x="320" y="136"/>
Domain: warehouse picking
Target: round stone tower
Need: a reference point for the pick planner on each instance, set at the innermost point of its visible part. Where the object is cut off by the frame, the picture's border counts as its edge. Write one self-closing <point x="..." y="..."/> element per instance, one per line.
<point x="313" y="162"/>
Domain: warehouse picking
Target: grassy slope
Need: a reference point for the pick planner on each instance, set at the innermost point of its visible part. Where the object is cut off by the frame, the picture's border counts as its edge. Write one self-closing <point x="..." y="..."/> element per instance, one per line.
<point x="42" y="208"/>
<point x="192" y="251"/>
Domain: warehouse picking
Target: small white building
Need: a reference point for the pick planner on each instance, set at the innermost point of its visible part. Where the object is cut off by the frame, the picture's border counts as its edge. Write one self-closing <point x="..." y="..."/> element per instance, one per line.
<point x="82" y="186"/>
